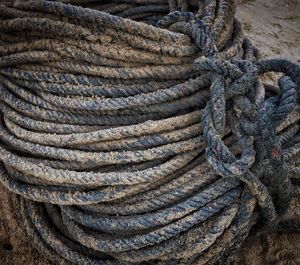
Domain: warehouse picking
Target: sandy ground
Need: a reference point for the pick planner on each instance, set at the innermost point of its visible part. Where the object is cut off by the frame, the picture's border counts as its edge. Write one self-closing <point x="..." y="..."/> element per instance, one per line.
<point x="274" y="27"/>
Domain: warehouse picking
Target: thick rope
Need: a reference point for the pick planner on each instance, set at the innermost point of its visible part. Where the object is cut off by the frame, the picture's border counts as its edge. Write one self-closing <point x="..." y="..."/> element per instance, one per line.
<point x="137" y="136"/>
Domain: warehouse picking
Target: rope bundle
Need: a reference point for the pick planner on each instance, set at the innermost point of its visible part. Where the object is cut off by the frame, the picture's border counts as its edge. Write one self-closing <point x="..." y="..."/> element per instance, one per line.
<point x="135" y="144"/>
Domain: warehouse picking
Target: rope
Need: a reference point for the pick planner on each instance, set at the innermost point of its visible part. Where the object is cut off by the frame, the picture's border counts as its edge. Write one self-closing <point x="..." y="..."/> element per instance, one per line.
<point x="132" y="135"/>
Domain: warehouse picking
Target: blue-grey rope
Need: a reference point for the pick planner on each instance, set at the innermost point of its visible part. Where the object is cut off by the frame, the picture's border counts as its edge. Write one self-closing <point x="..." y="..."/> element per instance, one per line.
<point x="132" y="135"/>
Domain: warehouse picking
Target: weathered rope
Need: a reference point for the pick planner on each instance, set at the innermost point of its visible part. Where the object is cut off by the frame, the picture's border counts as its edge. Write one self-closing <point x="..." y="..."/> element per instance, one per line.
<point x="130" y="143"/>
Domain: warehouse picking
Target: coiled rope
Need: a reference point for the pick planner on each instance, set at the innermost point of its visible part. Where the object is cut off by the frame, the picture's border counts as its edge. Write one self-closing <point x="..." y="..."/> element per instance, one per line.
<point x="130" y="143"/>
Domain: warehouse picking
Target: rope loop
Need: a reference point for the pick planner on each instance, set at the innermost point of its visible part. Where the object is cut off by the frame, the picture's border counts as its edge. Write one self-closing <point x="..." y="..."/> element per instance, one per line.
<point x="271" y="113"/>
<point x="231" y="84"/>
<point x="187" y="23"/>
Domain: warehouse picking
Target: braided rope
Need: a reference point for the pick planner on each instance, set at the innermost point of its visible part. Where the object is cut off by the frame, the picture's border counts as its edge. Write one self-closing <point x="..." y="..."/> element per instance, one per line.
<point x="134" y="136"/>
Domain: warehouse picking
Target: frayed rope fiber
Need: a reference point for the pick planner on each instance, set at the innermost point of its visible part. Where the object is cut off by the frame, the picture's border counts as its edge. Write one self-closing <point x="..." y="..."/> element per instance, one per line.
<point x="140" y="132"/>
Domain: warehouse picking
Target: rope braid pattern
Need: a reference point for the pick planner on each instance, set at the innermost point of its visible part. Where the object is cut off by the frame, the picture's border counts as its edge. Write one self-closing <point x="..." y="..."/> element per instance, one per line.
<point x="132" y="135"/>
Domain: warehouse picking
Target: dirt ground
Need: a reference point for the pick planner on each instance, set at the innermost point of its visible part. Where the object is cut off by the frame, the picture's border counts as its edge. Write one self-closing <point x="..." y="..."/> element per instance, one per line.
<point x="273" y="26"/>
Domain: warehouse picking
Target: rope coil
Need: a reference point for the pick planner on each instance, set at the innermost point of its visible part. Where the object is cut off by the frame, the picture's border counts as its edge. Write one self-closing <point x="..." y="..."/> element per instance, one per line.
<point x="130" y="143"/>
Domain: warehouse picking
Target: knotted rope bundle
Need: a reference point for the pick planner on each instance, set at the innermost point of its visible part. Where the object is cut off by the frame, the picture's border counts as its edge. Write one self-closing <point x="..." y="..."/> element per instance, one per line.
<point x="135" y="144"/>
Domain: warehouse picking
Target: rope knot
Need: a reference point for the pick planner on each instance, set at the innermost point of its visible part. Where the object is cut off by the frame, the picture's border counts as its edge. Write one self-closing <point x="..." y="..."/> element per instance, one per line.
<point x="254" y="124"/>
<point x="211" y="64"/>
<point x="231" y="80"/>
<point x="187" y="23"/>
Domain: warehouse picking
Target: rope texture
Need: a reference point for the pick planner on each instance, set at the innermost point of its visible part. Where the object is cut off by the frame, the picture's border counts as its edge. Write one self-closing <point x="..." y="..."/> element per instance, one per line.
<point x="132" y="135"/>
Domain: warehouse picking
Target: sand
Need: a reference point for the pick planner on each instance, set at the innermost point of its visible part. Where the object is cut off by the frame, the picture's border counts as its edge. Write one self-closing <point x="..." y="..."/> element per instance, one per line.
<point x="273" y="26"/>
